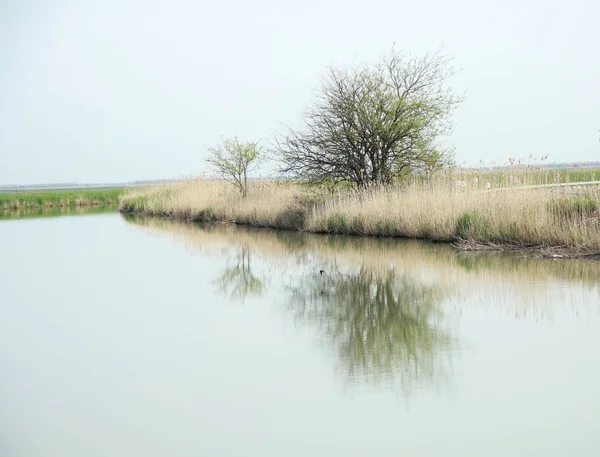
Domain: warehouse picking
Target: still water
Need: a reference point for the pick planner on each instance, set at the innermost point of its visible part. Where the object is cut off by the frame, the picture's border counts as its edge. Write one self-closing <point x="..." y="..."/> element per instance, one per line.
<point x="140" y="337"/>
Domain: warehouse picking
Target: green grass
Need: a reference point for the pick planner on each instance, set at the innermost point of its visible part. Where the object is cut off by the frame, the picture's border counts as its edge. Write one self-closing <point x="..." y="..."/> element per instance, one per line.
<point x="56" y="211"/>
<point x="576" y="207"/>
<point x="59" y="199"/>
<point x="580" y="175"/>
<point x="523" y="176"/>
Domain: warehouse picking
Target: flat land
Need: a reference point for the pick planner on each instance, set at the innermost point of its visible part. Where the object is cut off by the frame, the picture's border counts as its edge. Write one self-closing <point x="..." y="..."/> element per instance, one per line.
<point x="59" y="198"/>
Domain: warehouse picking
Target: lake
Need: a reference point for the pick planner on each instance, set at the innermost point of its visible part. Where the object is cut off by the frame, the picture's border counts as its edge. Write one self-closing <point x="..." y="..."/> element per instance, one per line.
<point x="143" y="337"/>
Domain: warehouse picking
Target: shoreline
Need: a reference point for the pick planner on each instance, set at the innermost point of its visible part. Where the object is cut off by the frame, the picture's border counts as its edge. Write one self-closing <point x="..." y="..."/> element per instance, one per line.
<point x="60" y="199"/>
<point x="66" y="205"/>
<point x="541" y="252"/>
<point x="549" y="224"/>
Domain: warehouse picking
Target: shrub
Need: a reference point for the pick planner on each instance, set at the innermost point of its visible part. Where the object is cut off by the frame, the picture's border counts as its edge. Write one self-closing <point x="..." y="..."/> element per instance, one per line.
<point x="472" y="225"/>
<point x="570" y="208"/>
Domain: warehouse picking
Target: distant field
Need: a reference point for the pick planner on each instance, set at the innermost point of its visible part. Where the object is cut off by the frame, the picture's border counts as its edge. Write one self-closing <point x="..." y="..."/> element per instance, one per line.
<point x="59" y="199"/>
<point x="531" y="176"/>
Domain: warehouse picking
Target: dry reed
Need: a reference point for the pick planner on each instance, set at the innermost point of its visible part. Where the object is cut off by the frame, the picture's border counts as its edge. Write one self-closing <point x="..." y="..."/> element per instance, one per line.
<point x="441" y="211"/>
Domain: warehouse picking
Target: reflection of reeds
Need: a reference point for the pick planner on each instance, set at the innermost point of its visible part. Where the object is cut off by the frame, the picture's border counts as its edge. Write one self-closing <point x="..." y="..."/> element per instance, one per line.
<point x="384" y="306"/>
<point x="25" y="213"/>
<point x="484" y="278"/>
<point x="437" y="210"/>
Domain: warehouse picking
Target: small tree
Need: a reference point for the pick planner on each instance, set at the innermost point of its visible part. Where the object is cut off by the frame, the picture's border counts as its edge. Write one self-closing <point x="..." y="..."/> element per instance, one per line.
<point x="375" y="123"/>
<point x="234" y="160"/>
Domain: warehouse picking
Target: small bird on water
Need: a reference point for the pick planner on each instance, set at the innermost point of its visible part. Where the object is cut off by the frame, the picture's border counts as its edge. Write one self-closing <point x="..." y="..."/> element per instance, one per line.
<point x="321" y="271"/>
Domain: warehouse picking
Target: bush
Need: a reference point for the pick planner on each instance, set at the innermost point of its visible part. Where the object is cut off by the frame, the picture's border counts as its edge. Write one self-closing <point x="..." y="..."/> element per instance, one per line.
<point x="570" y="208"/>
<point x="472" y="225"/>
<point x="337" y="224"/>
<point x="133" y="205"/>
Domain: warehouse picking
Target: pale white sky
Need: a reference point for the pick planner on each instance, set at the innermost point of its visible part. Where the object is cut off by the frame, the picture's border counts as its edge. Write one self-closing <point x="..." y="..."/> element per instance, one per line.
<point x="121" y="90"/>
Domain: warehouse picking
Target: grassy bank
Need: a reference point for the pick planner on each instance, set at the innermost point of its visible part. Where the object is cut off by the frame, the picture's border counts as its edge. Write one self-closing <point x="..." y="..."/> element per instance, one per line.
<point x="50" y="212"/>
<point x="439" y="210"/>
<point x="59" y="199"/>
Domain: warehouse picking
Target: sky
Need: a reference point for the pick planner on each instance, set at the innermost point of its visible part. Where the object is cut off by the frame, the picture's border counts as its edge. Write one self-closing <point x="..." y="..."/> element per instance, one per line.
<point x="124" y="90"/>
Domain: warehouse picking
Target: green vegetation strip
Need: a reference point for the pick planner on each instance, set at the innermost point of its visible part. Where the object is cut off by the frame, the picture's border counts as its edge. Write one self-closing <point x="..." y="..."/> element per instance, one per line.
<point x="19" y="200"/>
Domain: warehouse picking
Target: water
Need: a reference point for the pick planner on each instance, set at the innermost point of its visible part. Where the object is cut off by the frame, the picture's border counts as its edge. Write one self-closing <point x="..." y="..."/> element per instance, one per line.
<point x="143" y="337"/>
<point x="26" y="213"/>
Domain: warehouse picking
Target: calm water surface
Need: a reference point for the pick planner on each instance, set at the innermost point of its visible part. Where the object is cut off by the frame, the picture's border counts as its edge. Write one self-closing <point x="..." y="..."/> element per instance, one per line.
<point x="147" y="338"/>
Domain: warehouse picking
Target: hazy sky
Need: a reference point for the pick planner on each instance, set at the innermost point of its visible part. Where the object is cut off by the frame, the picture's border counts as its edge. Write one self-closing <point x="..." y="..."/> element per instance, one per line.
<point x="130" y="89"/>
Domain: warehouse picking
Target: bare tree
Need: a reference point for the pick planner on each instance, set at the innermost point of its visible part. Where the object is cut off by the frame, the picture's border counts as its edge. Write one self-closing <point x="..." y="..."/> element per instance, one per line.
<point x="234" y="160"/>
<point x="373" y="123"/>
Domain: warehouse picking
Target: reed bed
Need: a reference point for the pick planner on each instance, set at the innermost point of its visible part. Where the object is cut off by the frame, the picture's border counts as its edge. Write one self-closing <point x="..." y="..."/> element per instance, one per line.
<point x="270" y="204"/>
<point x="438" y="210"/>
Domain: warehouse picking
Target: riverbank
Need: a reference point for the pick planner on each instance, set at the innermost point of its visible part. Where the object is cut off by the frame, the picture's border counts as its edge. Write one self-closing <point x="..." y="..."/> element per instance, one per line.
<point x="59" y="199"/>
<point x="541" y="219"/>
<point x="46" y="212"/>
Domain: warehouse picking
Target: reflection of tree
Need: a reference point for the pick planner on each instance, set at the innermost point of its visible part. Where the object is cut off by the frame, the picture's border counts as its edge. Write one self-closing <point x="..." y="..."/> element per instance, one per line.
<point x="237" y="281"/>
<point x="383" y="328"/>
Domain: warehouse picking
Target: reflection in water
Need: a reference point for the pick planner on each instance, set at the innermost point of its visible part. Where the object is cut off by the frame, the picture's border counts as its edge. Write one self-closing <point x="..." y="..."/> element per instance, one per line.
<point x="383" y="327"/>
<point x="138" y="348"/>
<point x="504" y="280"/>
<point x="237" y="280"/>
<point x="379" y="303"/>
<point x="27" y="213"/>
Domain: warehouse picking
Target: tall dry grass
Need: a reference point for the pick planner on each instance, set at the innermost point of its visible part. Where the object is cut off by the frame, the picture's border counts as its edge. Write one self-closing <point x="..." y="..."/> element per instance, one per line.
<point x="268" y="204"/>
<point x="438" y="210"/>
<point x="522" y="218"/>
